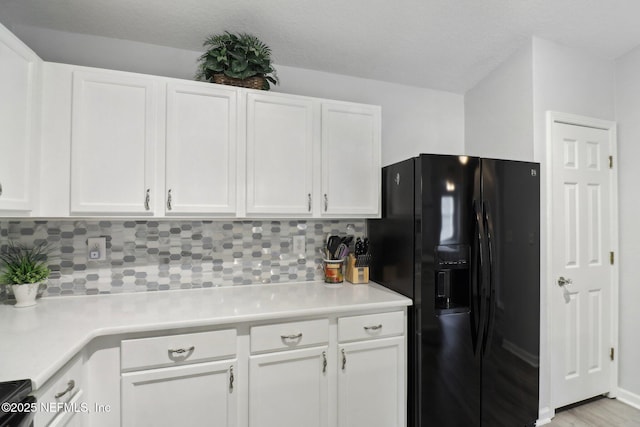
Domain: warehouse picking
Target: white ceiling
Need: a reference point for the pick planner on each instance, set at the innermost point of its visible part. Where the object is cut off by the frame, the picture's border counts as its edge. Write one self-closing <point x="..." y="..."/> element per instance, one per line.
<point x="439" y="44"/>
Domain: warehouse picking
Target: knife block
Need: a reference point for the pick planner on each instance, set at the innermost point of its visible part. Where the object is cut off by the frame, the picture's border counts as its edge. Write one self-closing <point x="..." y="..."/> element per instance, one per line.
<point x="356" y="275"/>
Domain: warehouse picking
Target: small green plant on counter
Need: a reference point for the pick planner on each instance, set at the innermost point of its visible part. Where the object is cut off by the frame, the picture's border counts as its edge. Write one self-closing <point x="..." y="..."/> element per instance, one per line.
<point x="20" y="265"/>
<point x="238" y="56"/>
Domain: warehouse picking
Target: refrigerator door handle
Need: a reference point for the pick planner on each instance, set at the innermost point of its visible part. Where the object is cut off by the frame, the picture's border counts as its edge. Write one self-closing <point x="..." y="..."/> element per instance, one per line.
<point x="491" y="294"/>
<point x="478" y="307"/>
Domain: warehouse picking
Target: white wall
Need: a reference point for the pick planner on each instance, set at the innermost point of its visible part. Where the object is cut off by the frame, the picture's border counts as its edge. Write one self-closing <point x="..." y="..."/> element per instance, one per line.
<point x="499" y="111"/>
<point x="628" y="118"/>
<point x="569" y="81"/>
<point x="414" y="120"/>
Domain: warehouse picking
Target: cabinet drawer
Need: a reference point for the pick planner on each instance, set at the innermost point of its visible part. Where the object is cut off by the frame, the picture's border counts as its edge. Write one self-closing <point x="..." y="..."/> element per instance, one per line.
<point x="370" y="326"/>
<point x="62" y="388"/>
<point x="175" y="349"/>
<point x="284" y="336"/>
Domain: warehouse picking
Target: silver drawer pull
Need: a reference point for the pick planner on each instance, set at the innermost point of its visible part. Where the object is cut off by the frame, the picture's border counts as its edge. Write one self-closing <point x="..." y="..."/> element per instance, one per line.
<point x="291" y="337"/>
<point x="373" y="328"/>
<point x="182" y="350"/>
<point x="70" y="385"/>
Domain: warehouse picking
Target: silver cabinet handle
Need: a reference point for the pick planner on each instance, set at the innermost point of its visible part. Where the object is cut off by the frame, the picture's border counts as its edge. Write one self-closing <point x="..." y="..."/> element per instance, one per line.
<point x="344" y="359"/>
<point x="70" y="385"/>
<point x="0" y="189"/>
<point x="231" y="379"/>
<point x="324" y="362"/>
<point x="291" y="337"/>
<point x="326" y="202"/>
<point x="373" y="328"/>
<point x="147" y="199"/>
<point x="564" y="282"/>
<point x="309" y="197"/>
<point x="182" y="350"/>
<point x="169" y="206"/>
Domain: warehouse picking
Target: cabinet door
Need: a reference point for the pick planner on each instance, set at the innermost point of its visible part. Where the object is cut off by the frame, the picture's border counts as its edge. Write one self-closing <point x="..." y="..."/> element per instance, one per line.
<point x="112" y="143"/>
<point x="201" y="149"/>
<point x="202" y="394"/>
<point x="19" y="102"/>
<point x="371" y="384"/>
<point x="279" y="155"/>
<point x="350" y="159"/>
<point x="289" y="389"/>
<point x="74" y="417"/>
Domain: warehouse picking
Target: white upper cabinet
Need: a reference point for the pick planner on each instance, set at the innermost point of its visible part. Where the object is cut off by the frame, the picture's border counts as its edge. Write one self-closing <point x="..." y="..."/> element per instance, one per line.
<point x="19" y="119"/>
<point x="113" y="142"/>
<point x="201" y="149"/>
<point x="279" y="155"/>
<point x="350" y="160"/>
<point x="136" y="145"/>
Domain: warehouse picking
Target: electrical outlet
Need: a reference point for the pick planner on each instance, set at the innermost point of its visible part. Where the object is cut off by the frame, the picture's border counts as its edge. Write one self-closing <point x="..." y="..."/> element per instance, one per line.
<point x="97" y="248"/>
<point x="299" y="244"/>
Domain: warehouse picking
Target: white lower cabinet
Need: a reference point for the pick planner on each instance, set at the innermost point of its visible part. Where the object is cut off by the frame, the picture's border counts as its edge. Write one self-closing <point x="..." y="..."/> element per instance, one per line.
<point x="371" y="372"/>
<point x="289" y="389"/>
<point x="171" y="380"/>
<point x="371" y="385"/>
<point x="61" y="401"/>
<point x="330" y="371"/>
<point x="289" y="386"/>
<point x="72" y="417"/>
<point x="201" y="394"/>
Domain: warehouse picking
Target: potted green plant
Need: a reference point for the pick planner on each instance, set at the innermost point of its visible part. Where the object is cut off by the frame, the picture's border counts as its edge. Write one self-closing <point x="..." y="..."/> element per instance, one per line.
<point x="238" y="60"/>
<point x="24" y="269"/>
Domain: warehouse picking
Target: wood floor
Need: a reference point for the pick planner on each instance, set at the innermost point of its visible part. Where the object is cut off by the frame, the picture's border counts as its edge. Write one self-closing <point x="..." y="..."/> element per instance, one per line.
<point x="602" y="412"/>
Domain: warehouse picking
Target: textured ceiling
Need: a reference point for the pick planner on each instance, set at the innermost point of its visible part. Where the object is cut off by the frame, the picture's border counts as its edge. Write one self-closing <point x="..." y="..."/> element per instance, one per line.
<point x="440" y="44"/>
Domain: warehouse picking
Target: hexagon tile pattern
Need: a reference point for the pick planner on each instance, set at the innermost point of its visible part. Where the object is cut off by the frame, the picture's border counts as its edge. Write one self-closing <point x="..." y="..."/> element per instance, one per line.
<point x="163" y="255"/>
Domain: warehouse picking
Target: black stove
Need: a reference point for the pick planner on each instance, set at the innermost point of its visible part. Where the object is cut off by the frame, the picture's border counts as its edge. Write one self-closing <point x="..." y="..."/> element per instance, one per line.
<point x="16" y="392"/>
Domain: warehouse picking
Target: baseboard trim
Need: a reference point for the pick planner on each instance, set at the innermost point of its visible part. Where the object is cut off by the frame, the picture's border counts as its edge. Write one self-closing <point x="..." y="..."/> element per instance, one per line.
<point x="545" y="415"/>
<point x="629" y="398"/>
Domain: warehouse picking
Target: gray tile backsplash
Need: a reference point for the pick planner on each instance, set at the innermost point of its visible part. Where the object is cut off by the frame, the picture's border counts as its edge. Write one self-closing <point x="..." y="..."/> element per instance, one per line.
<point x="164" y="254"/>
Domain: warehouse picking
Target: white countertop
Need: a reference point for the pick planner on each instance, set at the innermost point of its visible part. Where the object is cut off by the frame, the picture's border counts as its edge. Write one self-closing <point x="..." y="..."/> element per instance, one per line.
<point x="37" y="341"/>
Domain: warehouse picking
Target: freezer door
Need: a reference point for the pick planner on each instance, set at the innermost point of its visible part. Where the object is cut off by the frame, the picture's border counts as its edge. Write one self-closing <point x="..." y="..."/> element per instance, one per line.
<point x="511" y="341"/>
<point x="450" y="372"/>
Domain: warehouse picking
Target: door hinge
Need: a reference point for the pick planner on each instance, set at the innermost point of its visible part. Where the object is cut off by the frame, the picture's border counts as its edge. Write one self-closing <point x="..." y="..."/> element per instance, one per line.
<point x="611" y="257"/>
<point x="611" y="353"/>
<point x="610" y="162"/>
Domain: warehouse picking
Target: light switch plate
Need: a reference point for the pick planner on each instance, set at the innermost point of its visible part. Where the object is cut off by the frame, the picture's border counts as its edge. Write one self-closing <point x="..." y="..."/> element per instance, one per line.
<point x="97" y="248"/>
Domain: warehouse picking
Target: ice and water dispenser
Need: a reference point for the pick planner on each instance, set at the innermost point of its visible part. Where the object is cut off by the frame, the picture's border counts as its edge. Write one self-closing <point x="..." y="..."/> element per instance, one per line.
<point x="452" y="277"/>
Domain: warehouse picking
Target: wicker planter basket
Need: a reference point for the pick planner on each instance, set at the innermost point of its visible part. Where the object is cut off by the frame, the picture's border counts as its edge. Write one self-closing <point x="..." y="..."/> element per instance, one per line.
<point x="255" y="82"/>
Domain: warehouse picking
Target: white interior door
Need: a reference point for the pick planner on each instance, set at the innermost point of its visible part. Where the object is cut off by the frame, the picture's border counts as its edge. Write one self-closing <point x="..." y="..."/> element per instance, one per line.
<point x="581" y="242"/>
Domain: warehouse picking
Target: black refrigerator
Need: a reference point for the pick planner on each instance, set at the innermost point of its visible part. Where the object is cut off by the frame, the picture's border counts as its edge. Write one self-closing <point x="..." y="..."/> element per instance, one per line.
<point x="461" y="237"/>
